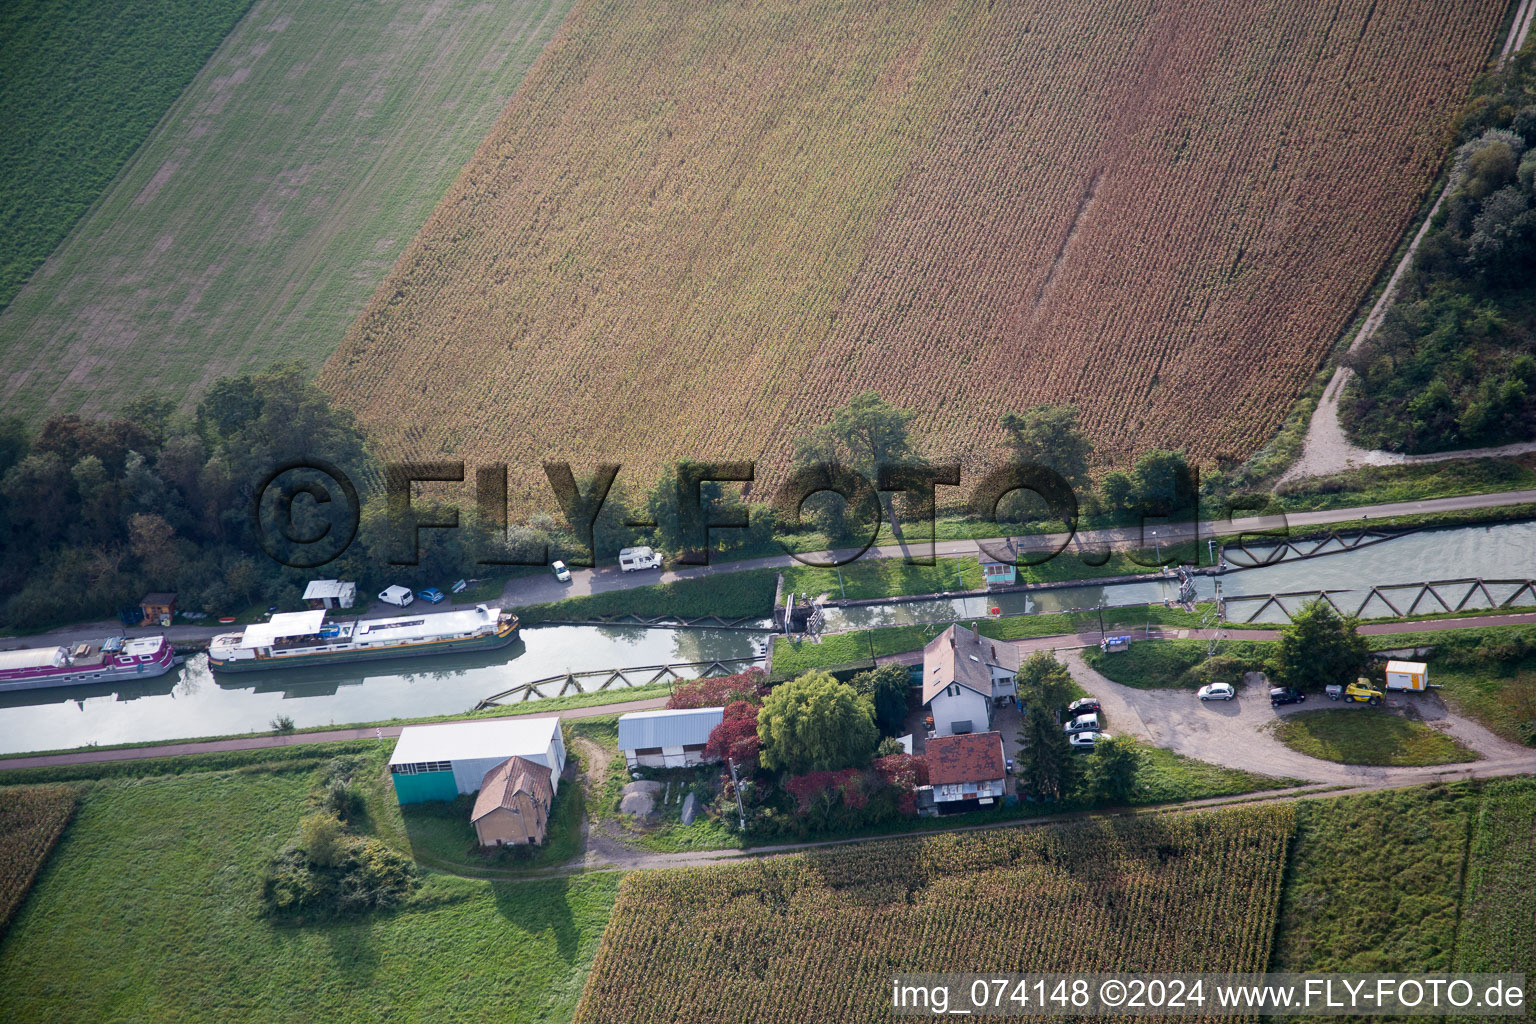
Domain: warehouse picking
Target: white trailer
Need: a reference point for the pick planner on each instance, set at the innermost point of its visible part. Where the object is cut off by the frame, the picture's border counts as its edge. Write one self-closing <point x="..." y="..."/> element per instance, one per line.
<point x="1407" y="675"/>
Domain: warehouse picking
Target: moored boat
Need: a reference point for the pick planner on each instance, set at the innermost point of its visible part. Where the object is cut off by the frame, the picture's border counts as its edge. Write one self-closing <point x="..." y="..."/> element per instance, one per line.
<point x="292" y="639"/>
<point x="114" y="659"/>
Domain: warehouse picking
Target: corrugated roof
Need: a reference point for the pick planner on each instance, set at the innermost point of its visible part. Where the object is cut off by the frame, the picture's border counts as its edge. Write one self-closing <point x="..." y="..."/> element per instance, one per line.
<point x="454" y="741"/>
<point x="959" y="655"/>
<point x="321" y="589"/>
<point x="974" y="757"/>
<point x="514" y="775"/>
<point x="667" y="727"/>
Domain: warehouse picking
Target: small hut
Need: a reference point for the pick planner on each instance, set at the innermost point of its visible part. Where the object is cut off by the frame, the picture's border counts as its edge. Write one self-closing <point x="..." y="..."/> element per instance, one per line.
<point x="158" y="609"/>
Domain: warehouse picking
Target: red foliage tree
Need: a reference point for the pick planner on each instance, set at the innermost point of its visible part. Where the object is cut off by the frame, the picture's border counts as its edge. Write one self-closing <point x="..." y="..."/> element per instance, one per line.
<point x="903" y="773"/>
<point x="830" y="787"/>
<point x="719" y="691"/>
<point x="736" y="735"/>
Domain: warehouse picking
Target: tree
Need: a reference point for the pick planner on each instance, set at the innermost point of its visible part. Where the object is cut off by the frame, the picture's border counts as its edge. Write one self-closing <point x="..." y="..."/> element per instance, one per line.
<point x="815" y="723"/>
<point x="1050" y="769"/>
<point x="863" y="435"/>
<point x="154" y="545"/>
<point x="1044" y="681"/>
<point x="1113" y="768"/>
<point x="323" y="838"/>
<point x="736" y="735"/>
<point x="1318" y="648"/>
<point x="887" y="688"/>
<point x="1048" y="435"/>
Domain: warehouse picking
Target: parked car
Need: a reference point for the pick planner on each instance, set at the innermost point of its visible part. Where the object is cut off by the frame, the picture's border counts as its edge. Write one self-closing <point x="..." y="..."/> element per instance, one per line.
<point x="1218" y="691"/>
<point x="1082" y="723"/>
<point x="1008" y="766"/>
<point x="397" y="595"/>
<point x="1086" y="740"/>
<point x="431" y="595"/>
<point x="561" y="572"/>
<point x="1286" y="695"/>
<point x="1085" y="706"/>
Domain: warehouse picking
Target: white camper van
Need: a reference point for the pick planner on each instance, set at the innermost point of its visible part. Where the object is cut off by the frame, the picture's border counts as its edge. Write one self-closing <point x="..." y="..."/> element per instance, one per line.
<point x="635" y="559"/>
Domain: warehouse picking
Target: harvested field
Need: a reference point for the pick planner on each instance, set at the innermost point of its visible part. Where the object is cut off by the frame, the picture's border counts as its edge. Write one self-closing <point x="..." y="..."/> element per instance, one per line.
<point x="817" y="937"/>
<point x="698" y="228"/>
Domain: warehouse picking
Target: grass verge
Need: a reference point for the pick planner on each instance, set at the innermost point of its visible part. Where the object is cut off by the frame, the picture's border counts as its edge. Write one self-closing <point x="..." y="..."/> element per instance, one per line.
<point x="1368" y="736"/>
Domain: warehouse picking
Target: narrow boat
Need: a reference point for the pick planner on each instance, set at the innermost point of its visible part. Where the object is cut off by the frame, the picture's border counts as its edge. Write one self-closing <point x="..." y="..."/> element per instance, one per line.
<point x="291" y="639"/>
<point x="114" y="659"/>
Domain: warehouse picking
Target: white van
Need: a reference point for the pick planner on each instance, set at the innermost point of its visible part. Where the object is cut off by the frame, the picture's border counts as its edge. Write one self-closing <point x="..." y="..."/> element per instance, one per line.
<point x="397" y="595"/>
<point x="635" y="559"/>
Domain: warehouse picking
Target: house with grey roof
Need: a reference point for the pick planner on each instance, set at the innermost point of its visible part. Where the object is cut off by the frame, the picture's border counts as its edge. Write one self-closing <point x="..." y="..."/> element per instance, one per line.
<point x="667" y="737"/>
<point x="966" y="675"/>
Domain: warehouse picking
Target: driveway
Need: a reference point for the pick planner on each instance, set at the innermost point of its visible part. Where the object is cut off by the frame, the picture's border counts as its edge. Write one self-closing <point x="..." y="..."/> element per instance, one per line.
<point x="1237" y="733"/>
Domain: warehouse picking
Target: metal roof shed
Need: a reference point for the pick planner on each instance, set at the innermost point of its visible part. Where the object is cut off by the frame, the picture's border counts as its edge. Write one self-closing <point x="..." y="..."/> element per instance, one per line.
<point x="667" y="737"/>
<point x="438" y="762"/>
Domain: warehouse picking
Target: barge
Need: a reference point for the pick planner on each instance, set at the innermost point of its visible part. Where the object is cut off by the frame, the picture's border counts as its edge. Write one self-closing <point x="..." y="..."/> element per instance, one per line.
<point x="295" y="639"/>
<point x="115" y="659"/>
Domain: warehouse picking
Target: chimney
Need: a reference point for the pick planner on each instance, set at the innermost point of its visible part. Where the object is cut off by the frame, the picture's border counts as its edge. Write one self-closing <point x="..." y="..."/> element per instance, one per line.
<point x="951" y="639"/>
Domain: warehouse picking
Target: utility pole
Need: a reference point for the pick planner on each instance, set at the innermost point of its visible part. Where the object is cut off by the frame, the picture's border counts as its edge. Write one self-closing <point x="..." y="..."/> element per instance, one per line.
<point x="741" y="810"/>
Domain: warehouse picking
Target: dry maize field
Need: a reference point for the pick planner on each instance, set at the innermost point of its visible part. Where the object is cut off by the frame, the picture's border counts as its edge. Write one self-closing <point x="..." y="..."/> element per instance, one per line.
<point x="697" y="228"/>
<point x="817" y="937"/>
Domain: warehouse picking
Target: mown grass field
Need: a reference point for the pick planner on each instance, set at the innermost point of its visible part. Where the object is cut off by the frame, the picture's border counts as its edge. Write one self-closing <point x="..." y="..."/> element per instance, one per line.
<point x="1388" y="881"/>
<point x="818" y="935"/>
<point x="85" y="83"/>
<point x="926" y="195"/>
<point x="266" y="206"/>
<point x="1366" y="736"/>
<point x="148" y="911"/>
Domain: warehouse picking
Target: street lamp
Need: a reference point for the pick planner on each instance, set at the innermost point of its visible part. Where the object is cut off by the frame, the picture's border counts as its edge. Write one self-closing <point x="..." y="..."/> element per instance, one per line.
<point x="1159" y="547"/>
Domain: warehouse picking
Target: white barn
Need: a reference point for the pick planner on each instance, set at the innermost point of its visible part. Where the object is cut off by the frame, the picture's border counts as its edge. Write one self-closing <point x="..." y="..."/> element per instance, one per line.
<point x="668" y="737"/>
<point x="439" y="762"/>
<point x="965" y="675"/>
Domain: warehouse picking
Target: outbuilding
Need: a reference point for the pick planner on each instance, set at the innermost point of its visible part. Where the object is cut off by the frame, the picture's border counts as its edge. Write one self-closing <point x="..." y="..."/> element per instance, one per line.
<point x="329" y="594"/>
<point x="439" y="762"/>
<point x="967" y="771"/>
<point x="513" y="806"/>
<point x="1407" y="675"/>
<point x="668" y="737"/>
<point x="157" y="609"/>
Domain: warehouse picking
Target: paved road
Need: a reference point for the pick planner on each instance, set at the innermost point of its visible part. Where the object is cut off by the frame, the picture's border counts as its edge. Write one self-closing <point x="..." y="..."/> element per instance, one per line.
<point x="544" y="587"/>
<point x="287" y="740"/>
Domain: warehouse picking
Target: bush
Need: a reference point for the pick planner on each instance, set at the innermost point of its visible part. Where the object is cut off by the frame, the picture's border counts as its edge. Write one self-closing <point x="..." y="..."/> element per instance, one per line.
<point x="367" y="875"/>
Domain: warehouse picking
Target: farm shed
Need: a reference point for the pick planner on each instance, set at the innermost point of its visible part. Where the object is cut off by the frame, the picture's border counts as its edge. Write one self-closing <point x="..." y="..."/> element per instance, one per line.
<point x="966" y="772"/>
<point x="158" y="609"/>
<point x="438" y="762"/>
<point x="330" y="594"/>
<point x="964" y="676"/>
<point x="1407" y="675"/>
<point x="513" y="806"/>
<point x="667" y="738"/>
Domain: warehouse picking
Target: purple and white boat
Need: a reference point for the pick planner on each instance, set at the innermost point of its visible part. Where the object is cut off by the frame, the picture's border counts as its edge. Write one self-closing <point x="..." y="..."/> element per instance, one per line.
<point x="113" y="660"/>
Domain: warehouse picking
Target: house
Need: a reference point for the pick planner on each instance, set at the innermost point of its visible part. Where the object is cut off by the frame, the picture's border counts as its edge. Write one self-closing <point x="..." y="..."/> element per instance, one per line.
<point x="513" y="806"/>
<point x="330" y="594"/>
<point x="439" y="762"/>
<point x="667" y="738"/>
<point x="157" y="609"/>
<point x="966" y="772"/>
<point x="965" y="676"/>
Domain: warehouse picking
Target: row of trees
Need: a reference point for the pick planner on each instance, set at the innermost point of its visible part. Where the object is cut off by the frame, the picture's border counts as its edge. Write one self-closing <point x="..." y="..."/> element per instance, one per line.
<point x="1454" y="363"/>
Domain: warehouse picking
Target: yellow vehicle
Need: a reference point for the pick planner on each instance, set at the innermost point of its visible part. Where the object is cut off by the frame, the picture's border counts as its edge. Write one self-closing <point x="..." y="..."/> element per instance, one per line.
<point x="1362" y="690"/>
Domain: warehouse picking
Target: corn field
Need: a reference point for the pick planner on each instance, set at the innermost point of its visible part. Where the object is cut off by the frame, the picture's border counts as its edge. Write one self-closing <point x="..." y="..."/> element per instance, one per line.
<point x="697" y="228"/>
<point x="31" y="820"/>
<point x="816" y="937"/>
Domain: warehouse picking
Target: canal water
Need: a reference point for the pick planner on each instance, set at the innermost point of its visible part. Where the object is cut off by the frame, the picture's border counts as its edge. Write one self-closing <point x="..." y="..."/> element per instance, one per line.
<point x="1498" y="552"/>
<point x="193" y="701"/>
